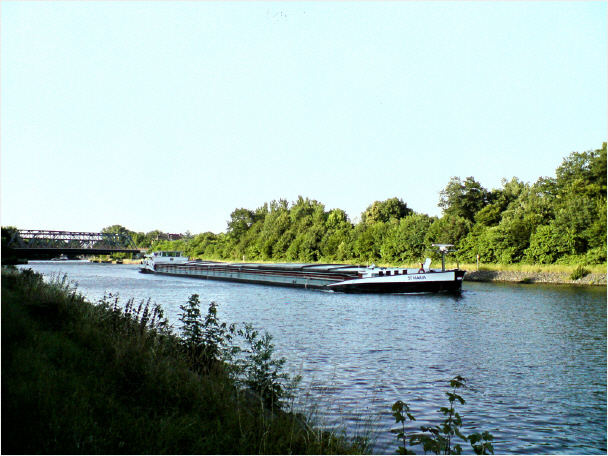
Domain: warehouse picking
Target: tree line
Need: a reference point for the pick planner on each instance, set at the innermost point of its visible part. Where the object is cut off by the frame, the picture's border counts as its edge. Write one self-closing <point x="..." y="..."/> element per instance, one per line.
<point x="560" y="219"/>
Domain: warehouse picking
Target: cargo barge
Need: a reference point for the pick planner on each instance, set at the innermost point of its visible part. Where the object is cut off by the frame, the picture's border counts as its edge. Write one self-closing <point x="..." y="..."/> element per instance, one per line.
<point x="331" y="277"/>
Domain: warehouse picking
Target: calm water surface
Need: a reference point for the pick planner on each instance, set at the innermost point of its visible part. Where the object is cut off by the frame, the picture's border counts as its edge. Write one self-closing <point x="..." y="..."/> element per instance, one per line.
<point x="534" y="355"/>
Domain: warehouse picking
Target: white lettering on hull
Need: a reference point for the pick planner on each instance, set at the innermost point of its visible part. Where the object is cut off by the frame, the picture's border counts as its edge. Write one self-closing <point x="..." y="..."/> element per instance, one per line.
<point x="416" y="277"/>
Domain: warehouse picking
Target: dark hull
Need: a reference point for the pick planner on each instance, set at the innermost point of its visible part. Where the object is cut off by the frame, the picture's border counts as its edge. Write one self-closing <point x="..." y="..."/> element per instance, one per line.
<point x="426" y="287"/>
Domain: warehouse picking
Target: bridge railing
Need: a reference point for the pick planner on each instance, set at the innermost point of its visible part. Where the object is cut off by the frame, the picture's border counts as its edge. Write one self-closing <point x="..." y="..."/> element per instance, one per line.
<point x="52" y="240"/>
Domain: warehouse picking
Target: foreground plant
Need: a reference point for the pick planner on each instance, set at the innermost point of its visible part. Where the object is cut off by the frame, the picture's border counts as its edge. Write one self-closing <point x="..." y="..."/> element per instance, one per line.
<point x="262" y="373"/>
<point x="84" y="378"/>
<point x="207" y="342"/>
<point x="210" y="344"/>
<point x="440" y="439"/>
<point x="579" y="273"/>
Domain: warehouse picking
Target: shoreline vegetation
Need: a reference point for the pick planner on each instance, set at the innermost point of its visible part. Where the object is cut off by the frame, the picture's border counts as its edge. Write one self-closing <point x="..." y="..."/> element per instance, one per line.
<point x="557" y="222"/>
<point x="106" y="378"/>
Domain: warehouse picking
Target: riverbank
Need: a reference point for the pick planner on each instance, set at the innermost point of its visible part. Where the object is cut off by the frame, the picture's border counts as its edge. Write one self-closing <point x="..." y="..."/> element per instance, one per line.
<point x="109" y="260"/>
<point x="127" y="261"/>
<point x="597" y="279"/>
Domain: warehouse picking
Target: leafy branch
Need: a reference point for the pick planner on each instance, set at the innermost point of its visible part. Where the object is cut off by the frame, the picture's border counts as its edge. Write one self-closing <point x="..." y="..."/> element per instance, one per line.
<point x="439" y="439"/>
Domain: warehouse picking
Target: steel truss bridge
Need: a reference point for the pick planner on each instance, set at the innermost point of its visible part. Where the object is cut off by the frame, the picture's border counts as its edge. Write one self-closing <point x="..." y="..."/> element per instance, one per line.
<point x="26" y="242"/>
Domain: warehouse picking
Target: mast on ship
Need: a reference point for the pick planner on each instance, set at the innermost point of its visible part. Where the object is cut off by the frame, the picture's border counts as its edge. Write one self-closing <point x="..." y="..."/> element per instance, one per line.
<point x="443" y="249"/>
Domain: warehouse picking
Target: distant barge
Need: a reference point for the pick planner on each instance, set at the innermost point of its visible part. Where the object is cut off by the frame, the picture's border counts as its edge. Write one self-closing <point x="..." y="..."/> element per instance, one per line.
<point x="337" y="277"/>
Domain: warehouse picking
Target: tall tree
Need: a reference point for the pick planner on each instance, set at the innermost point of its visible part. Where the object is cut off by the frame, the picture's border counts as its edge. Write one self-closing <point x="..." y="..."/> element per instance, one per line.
<point x="449" y="229"/>
<point x="406" y="239"/>
<point x="583" y="172"/>
<point x="116" y="229"/>
<point x="385" y="211"/>
<point x="463" y="199"/>
<point x="240" y="221"/>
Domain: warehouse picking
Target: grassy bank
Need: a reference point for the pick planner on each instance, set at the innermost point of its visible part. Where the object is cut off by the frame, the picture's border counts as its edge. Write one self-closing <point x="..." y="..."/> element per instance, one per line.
<point x="99" y="379"/>
<point x="530" y="274"/>
<point x="533" y="268"/>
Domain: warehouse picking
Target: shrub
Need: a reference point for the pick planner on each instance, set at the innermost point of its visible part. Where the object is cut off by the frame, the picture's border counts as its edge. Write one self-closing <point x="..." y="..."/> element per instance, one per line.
<point x="579" y="273"/>
<point x="261" y="373"/>
<point x="207" y="343"/>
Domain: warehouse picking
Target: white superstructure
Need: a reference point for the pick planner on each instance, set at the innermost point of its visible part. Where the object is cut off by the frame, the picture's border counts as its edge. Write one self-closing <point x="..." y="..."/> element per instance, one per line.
<point x="151" y="260"/>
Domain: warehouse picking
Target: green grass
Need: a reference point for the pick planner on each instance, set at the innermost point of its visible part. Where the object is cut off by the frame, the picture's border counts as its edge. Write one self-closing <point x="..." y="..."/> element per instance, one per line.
<point x="532" y="268"/>
<point x="83" y="378"/>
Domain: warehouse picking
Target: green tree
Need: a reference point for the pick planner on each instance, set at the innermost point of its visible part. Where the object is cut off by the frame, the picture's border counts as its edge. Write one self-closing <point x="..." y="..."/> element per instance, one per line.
<point x="572" y="210"/>
<point x="385" y="211"/>
<point x="7" y="234"/>
<point x="276" y="223"/>
<point x="206" y="341"/>
<point x="405" y="240"/>
<point x="580" y="220"/>
<point x="556" y="219"/>
<point x="307" y="230"/>
<point x="8" y="256"/>
<point x="449" y="229"/>
<point x="240" y="221"/>
<point x="304" y="208"/>
<point x="336" y="219"/>
<point x="368" y="240"/>
<point x="583" y="172"/>
<point x="203" y="245"/>
<point x="179" y="245"/>
<point x="116" y="229"/>
<point x="463" y="199"/>
<point x="336" y="242"/>
<point x="547" y="245"/>
<point x="580" y="205"/>
<point x="498" y="201"/>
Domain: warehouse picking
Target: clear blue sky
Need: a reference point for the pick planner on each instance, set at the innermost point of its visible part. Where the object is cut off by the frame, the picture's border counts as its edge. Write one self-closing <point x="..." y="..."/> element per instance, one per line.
<point x="169" y="115"/>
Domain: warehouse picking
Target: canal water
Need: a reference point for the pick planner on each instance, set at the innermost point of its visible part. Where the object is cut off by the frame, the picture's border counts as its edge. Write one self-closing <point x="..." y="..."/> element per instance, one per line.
<point x="534" y="355"/>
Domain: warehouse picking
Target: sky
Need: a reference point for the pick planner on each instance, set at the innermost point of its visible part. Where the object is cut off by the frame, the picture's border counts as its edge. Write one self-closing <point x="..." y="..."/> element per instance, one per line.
<point x="170" y="115"/>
